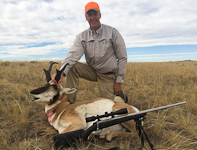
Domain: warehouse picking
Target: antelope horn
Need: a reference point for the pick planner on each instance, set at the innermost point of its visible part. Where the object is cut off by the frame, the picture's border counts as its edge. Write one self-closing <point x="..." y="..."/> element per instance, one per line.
<point x="47" y="72"/>
<point x="59" y="72"/>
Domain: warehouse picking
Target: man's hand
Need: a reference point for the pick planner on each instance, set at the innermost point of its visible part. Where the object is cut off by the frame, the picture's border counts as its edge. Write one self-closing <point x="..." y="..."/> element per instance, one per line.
<point x="53" y="78"/>
<point x="117" y="88"/>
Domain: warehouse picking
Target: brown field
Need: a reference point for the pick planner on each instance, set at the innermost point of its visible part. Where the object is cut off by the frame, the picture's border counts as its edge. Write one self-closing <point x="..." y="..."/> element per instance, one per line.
<point x="24" y="126"/>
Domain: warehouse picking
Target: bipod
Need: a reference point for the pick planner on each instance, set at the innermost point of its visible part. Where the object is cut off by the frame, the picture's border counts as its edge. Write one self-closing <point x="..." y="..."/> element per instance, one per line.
<point x="142" y="133"/>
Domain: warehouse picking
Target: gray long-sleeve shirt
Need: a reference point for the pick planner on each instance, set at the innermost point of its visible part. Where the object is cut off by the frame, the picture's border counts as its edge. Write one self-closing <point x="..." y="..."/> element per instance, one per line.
<point x="104" y="50"/>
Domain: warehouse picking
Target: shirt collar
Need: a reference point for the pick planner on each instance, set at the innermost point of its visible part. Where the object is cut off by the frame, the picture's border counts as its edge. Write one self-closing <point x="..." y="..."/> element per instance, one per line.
<point x="98" y="32"/>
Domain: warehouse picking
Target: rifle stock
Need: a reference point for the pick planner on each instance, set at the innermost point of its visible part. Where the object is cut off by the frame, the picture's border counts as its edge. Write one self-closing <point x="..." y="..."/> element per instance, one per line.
<point x="66" y="139"/>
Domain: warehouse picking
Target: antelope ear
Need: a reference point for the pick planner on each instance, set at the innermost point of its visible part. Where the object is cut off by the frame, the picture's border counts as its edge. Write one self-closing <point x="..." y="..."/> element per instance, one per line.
<point x="69" y="90"/>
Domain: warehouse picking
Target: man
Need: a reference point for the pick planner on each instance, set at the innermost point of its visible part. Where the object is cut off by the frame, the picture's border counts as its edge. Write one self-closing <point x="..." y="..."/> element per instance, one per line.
<point x="105" y="54"/>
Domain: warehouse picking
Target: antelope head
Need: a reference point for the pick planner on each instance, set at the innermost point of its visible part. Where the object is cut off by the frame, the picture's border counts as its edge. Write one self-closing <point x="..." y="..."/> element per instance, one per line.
<point x="51" y="92"/>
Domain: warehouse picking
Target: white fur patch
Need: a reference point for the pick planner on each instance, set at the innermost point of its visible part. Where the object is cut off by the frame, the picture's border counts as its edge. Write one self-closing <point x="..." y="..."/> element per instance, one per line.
<point x="104" y="131"/>
<point x="95" y="108"/>
<point x="118" y="99"/>
<point x="60" y="125"/>
<point x="45" y="96"/>
<point x="98" y="108"/>
<point x="136" y="110"/>
<point x="63" y="126"/>
<point x="68" y="90"/>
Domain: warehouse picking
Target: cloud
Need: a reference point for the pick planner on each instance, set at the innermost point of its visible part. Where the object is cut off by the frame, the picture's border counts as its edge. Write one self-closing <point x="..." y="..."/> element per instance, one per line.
<point x="30" y="22"/>
<point x="25" y="24"/>
<point x="56" y="59"/>
<point x="24" y="50"/>
<point x="148" y="23"/>
<point x="50" y="59"/>
<point x="163" y="57"/>
<point x="172" y="54"/>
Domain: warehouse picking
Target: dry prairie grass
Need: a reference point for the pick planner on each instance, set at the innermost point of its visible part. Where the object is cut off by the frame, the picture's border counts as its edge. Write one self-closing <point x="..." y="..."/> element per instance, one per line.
<point x="24" y="126"/>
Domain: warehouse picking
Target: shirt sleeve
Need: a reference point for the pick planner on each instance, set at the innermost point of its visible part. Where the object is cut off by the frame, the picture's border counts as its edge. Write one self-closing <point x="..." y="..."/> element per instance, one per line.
<point x="121" y="54"/>
<point x="74" y="55"/>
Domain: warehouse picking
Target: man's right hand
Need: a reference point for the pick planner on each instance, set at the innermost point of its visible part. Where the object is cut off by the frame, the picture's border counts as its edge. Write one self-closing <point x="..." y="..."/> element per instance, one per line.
<point x="53" y="79"/>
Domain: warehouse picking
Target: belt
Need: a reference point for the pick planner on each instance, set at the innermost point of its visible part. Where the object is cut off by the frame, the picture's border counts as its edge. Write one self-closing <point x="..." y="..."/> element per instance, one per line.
<point x="109" y="73"/>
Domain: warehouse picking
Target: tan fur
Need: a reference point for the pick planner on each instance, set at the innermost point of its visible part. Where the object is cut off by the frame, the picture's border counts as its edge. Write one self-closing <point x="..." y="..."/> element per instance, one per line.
<point x="68" y="117"/>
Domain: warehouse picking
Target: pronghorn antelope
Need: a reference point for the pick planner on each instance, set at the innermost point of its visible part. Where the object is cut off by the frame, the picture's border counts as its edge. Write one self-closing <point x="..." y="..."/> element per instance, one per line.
<point x="66" y="117"/>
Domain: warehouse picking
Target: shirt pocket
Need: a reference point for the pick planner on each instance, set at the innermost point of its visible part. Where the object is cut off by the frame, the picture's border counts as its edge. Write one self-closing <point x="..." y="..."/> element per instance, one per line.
<point x="89" y="48"/>
<point x="105" y="46"/>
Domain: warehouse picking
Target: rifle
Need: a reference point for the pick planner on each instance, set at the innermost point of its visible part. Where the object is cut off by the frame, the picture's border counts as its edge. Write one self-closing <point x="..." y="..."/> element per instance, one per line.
<point x="66" y="139"/>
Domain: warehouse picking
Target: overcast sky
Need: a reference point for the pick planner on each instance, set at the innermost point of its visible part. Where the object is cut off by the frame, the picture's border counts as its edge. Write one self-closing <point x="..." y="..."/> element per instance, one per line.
<point x="46" y="29"/>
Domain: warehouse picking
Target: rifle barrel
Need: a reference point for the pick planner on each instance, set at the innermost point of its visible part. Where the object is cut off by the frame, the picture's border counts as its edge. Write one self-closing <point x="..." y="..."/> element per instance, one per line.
<point x="144" y="111"/>
<point x="159" y="108"/>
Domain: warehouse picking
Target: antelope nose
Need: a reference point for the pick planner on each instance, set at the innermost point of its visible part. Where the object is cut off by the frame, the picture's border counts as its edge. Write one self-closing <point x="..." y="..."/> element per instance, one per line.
<point x="31" y="92"/>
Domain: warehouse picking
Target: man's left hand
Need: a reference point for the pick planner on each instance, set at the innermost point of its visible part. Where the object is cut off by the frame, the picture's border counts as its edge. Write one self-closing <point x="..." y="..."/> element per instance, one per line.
<point x="117" y="88"/>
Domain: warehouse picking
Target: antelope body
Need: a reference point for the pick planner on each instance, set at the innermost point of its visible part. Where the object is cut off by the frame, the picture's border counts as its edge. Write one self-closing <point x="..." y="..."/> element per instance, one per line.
<point x="66" y="117"/>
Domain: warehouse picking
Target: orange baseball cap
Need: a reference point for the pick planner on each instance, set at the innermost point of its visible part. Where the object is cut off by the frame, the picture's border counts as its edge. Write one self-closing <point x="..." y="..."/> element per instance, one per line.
<point x="92" y="6"/>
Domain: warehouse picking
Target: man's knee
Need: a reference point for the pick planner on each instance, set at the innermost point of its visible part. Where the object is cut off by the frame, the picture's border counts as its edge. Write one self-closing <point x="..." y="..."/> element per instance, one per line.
<point x="75" y="68"/>
<point x="107" y="93"/>
<point x="77" y="65"/>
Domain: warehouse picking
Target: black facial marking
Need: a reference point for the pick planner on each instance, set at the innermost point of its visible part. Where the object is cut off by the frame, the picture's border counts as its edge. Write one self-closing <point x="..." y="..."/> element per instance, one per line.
<point x="54" y="99"/>
<point x="71" y="90"/>
<point x="40" y="90"/>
